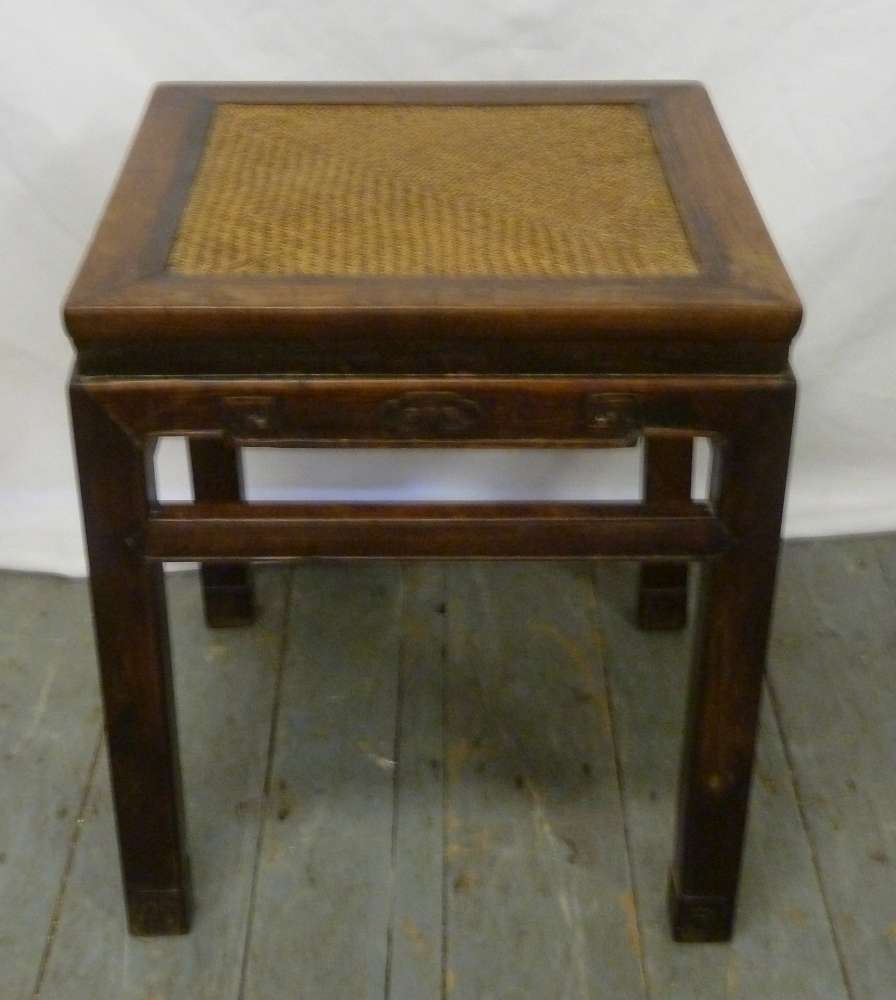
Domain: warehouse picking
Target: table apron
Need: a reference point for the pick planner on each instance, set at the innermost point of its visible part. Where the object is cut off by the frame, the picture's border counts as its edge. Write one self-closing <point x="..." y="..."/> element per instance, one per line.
<point x="452" y="412"/>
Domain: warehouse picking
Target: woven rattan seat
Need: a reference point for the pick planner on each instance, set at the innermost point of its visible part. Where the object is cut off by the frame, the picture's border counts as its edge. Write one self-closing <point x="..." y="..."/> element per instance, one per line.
<point x="420" y="190"/>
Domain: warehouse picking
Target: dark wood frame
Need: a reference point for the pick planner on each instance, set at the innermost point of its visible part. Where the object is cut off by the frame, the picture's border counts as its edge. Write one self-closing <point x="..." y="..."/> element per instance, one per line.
<point x="596" y="363"/>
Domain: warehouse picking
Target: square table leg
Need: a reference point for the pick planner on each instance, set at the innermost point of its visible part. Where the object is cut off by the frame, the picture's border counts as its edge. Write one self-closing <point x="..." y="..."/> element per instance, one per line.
<point x="737" y="590"/>
<point x="227" y="591"/>
<point x="132" y="646"/>
<point x="663" y="587"/>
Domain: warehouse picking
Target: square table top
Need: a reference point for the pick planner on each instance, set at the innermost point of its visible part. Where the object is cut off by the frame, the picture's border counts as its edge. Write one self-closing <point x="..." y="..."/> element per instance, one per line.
<point x="285" y="212"/>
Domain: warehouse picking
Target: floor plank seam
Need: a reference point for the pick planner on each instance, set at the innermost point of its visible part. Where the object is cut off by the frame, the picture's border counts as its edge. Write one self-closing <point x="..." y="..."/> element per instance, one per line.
<point x="75" y="839"/>
<point x="807" y="833"/>
<point x="620" y="786"/>
<point x="884" y="568"/>
<point x="396" y="776"/>
<point x="445" y="986"/>
<point x="268" y="777"/>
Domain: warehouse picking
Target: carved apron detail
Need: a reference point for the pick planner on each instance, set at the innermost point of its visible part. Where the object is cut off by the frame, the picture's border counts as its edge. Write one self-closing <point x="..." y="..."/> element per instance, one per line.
<point x="430" y="414"/>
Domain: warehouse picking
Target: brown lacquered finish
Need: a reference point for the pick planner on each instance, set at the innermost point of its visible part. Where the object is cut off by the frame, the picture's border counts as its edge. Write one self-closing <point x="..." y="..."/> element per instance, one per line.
<point x="431" y="531"/>
<point x="217" y="476"/>
<point x="128" y="595"/>
<point x="663" y="588"/>
<point x="234" y="361"/>
<point x="125" y="294"/>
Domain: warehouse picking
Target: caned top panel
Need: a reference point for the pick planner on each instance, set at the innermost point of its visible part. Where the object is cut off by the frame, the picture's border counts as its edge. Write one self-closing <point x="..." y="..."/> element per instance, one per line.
<point x="557" y="190"/>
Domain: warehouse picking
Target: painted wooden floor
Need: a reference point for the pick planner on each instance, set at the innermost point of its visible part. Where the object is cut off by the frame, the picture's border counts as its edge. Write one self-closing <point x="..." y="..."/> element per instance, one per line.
<point x="454" y="781"/>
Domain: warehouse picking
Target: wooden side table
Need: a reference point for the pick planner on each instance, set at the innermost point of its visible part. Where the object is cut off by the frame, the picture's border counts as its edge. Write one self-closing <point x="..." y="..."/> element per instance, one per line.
<point x="575" y="265"/>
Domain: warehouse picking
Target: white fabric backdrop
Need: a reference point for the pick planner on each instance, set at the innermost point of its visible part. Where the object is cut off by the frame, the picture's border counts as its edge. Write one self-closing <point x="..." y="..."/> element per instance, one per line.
<point x="806" y="91"/>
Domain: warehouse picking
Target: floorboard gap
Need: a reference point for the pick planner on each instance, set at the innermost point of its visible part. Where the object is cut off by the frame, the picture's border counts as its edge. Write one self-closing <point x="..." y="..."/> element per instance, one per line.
<point x="69" y="862"/>
<point x="445" y="987"/>
<point x="268" y="777"/>
<point x="620" y="787"/>
<point x="396" y="780"/>
<point x="804" y="822"/>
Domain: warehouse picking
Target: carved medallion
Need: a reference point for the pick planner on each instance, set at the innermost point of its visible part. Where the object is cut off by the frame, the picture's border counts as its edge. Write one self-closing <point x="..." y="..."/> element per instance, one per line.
<point x="430" y="414"/>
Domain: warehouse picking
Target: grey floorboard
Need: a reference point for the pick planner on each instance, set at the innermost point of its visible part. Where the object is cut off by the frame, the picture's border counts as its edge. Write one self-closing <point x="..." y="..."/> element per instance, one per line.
<point x="415" y="938"/>
<point x="456" y="809"/>
<point x="783" y="948"/>
<point x="834" y="676"/>
<point x="324" y="888"/>
<point x="49" y="730"/>
<point x="225" y="682"/>
<point x="537" y="893"/>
